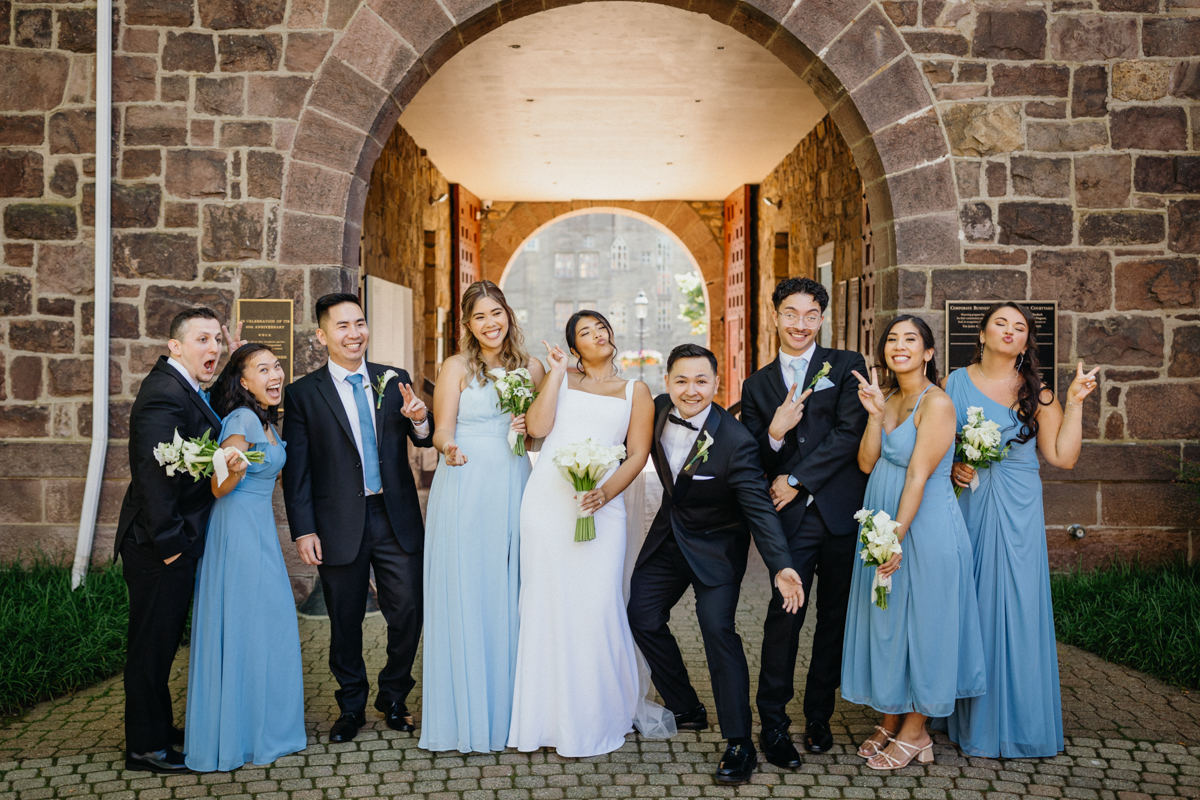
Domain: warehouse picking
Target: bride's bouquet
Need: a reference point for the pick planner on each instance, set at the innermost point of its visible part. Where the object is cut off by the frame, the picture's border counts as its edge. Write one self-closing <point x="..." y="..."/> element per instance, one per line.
<point x="877" y="532"/>
<point x="199" y="458"/>
<point x="517" y="394"/>
<point x="583" y="464"/>
<point x="978" y="444"/>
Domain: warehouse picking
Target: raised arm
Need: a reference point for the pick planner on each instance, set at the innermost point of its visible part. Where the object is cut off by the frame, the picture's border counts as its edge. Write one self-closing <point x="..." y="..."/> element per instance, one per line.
<point x="872" y="399"/>
<point x="539" y="419"/>
<point x="1060" y="432"/>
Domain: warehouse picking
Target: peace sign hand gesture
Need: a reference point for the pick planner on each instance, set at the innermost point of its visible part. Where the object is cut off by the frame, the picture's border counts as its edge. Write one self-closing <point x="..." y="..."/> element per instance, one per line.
<point x="414" y="407"/>
<point x="870" y="395"/>
<point x="1082" y="385"/>
<point x="556" y="357"/>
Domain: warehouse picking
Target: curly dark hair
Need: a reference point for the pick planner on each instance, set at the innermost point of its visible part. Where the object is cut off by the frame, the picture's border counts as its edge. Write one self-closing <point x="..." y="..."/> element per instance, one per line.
<point x="1029" y="367"/>
<point x="228" y="392"/>
<point x="931" y="370"/>
<point x="790" y="286"/>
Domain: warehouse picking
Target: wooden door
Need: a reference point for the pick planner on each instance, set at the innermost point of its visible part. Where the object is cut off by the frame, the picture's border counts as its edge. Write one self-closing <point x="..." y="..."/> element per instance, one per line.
<point x="466" y="214"/>
<point x="739" y="233"/>
<point x="866" y="315"/>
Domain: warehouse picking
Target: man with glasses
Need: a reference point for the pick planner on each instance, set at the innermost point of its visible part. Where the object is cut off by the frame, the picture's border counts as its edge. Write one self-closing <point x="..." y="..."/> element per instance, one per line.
<point x="804" y="412"/>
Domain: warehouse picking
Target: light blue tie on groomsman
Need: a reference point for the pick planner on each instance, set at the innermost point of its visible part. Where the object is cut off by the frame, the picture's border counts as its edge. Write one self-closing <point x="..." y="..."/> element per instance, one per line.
<point x="367" y="430"/>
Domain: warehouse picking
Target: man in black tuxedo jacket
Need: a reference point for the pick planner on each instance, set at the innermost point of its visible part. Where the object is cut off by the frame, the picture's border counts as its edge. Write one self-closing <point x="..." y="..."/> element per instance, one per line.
<point x="352" y="504"/>
<point x="807" y="420"/>
<point x="714" y="500"/>
<point x="160" y="533"/>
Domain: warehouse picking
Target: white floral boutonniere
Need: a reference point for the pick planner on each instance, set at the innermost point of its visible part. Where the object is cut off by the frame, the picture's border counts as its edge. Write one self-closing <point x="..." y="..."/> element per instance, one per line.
<point x="381" y="383"/>
<point x="701" y="452"/>
<point x="825" y="367"/>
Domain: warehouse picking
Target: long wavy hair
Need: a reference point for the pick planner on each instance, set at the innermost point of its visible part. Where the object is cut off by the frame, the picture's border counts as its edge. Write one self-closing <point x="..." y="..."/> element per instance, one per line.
<point x="1029" y="367"/>
<point x="931" y="370"/>
<point x="513" y="354"/>
<point x="228" y="392"/>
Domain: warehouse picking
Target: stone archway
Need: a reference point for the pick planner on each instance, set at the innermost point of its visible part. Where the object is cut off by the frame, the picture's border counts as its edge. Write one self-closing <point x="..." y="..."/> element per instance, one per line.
<point x="865" y="75"/>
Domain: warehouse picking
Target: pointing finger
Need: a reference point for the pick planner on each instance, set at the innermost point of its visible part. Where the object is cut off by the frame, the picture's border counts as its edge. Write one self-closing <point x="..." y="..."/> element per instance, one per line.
<point x="874" y="376"/>
<point x="861" y="380"/>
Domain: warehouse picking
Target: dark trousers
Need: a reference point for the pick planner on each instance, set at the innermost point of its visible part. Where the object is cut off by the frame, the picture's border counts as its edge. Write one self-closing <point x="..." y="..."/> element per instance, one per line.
<point x="160" y="596"/>
<point x="832" y="558"/>
<point x="398" y="577"/>
<point x="657" y="585"/>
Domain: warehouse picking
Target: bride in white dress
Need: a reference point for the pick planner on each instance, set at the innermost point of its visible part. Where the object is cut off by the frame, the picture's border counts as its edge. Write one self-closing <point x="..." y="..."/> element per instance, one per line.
<point x="578" y="687"/>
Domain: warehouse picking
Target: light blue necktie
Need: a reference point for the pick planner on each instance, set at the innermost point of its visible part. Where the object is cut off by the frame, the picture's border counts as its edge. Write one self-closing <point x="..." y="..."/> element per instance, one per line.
<point x="367" y="430"/>
<point x="206" y="396"/>
<point x="799" y="368"/>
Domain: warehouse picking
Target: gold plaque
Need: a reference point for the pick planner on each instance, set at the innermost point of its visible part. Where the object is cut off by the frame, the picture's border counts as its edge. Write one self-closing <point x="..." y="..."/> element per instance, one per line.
<point x="269" y="322"/>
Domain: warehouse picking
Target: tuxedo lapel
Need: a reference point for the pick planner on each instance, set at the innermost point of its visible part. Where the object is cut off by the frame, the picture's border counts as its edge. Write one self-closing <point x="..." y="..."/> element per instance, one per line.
<point x="775" y="378"/>
<point x="814" y="365"/>
<point x="661" y="462"/>
<point x="204" y="407"/>
<point x="329" y="392"/>
<point x="684" y="482"/>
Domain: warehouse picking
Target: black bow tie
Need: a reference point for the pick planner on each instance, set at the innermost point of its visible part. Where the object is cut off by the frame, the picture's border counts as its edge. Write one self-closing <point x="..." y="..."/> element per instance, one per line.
<point x="683" y="422"/>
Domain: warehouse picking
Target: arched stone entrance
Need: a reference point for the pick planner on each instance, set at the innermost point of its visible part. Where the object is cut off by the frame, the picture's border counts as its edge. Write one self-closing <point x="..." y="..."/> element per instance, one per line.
<point x="865" y="76"/>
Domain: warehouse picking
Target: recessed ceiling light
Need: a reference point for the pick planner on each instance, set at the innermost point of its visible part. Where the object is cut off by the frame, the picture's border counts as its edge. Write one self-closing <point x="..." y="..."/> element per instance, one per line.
<point x="518" y="47"/>
<point x="530" y="100"/>
<point x="669" y="163"/>
<point x="719" y="47"/>
<point x="697" y="101"/>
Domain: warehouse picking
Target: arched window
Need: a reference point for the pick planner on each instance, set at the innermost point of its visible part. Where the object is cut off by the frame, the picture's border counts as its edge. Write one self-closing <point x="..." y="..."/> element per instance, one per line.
<point x="619" y="253"/>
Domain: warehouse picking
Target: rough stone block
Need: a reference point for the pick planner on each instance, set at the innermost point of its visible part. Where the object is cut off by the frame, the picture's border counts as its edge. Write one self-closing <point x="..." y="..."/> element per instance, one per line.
<point x="865" y="48"/>
<point x="73" y="131"/>
<point x="966" y="177"/>
<point x="1092" y="37"/>
<point x="220" y="15"/>
<point x="1149" y="128"/>
<point x="170" y="256"/>
<point x="25" y="374"/>
<point x="32" y="81"/>
<point x="420" y="22"/>
<point x="181" y="215"/>
<point x="996" y="178"/>
<point x="348" y="96"/>
<point x="320" y="140"/>
<point x="264" y="174"/>
<point x="897" y="92"/>
<point x="1081" y="280"/>
<point x="281" y="97"/>
<point x="922" y="191"/>
<point x="140" y="40"/>
<point x="42" y="336"/>
<point x="77" y="30"/>
<point x="219" y="97"/>
<point x="40" y="222"/>
<point x="1185" y="352"/>
<point x="977" y="222"/>
<point x="56" y="307"/>
<point x="1154" y="504"/>
<point x="1121" y="341"/>
<point x="992" y="255"/>
<point x="196" y="173"/>
<point x="250" y="53"/>
<point x="166" y="13"/>
<point x="202" y="133"/>
<point x="141" y="164"/>
<point x="123" y="323"/>
<point x="1071" y="503"/>
<point x="977" y="284"/>
<point x="189" y="51"/>
<point x="175" y="89"/>
<point x="1183" y="217"/>
<point x="1089" y="94"/>
<point x="1037" y="80"/>
<point x="902" y="13"/>
<point x="1184" y="80"/>
<point x="1102" y="181"/>
<point x="21" y="174"/>
<point x="246" y="134"/>
<point x="1140" y="80"/>
<point x="1036" y="224"/>
<point x="134" y="79"/>
<point x="1043" y="110"/>
<point x="1122" y="228"/>
<point x="22" y="422"/>
<point x="1172" y="37"/>
<point x="21" y="130"/>
<point x="70" y="377"/>
<point x="136" y="206"/>
<point x="983" y="129"/>
<point x="305" y="51"/>
<point x="1163" y="411"/>
<point x="928" y="241"/>
<point x="1009" y="33"/>
<point x="1041" y="177"/>
<point x="16" y="295"/>
<point x="1064" y="137"/>
<point x="33" y="27"/>
<point x="65" y="179"/>
<point x="155" y="125"/>
<point x="310" y="240"/>
<point x="232" y="233"/>
<point x="164" y="302"/>
<point x="66" y="269"/>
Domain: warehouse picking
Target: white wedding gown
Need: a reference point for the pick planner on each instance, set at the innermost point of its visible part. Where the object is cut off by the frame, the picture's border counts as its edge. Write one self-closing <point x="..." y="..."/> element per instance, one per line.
<point x="579" y="687"/>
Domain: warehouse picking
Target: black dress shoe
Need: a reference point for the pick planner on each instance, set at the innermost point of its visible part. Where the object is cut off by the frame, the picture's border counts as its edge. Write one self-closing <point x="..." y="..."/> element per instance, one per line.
<point x="737" y="765"/>
<point x="164" y="762"/>
<point x="694" y="720"/>
<point x="398" y="718"/>
<point x="174" y="737"/>
<point x="778" y="748"/>
<point x="817" y="736"/>
<point x="346" y="727"/>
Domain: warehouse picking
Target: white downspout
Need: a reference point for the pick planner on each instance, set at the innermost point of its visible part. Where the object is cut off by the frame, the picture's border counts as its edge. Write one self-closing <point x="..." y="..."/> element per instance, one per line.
<point x="95" y="474"/>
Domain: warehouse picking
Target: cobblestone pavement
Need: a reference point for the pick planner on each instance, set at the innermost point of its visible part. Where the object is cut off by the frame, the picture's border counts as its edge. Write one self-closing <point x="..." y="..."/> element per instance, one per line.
<point x="1129" y="737"/>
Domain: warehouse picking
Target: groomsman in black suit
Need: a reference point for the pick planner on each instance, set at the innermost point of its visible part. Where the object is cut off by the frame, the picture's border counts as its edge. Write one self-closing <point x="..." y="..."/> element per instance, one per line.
<point x="714" y="499"/>
<point x="160" y="534"/>
<point x="804" y="412"/>
<point x="352" y="505"/>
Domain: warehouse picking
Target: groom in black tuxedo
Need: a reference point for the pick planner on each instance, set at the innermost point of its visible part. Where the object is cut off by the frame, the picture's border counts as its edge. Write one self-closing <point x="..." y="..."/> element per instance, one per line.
<point x="807" y="420"/>
<point x="714" y="500"/>
<point x="352" y="505"/>
<point x="160" y="533"/>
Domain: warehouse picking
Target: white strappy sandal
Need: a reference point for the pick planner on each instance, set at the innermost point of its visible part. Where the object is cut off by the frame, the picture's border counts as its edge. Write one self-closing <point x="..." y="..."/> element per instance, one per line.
<point x="923" y="755"/>
<point x="876" y="747"/>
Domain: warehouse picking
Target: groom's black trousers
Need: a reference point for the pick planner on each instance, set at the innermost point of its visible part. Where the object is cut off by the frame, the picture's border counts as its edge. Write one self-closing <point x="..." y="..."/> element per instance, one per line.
<point x="398" y="578"/>
<point x="657" y="585"/>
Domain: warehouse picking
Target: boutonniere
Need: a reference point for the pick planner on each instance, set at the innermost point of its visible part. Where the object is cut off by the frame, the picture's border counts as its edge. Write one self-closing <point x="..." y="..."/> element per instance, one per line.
<point x="381" y="383"/>
<point x="825" y="367"/>
<point x="701" y="452"/>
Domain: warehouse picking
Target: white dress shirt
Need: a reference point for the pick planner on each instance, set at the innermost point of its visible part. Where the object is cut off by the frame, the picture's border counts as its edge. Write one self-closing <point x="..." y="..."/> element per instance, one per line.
<point x="346" y="393"/>
<point x="677" y="440"/>
<point x="787" y="364"/>
<point x="187" y="376"/>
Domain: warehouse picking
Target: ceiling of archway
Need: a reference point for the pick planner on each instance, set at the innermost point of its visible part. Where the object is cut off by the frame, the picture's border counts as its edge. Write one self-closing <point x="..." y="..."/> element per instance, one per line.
<point x="613" y="100"/>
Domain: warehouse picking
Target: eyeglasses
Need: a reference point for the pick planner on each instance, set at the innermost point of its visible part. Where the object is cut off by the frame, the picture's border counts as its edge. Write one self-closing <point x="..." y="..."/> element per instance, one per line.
<point x="811" y="319"/>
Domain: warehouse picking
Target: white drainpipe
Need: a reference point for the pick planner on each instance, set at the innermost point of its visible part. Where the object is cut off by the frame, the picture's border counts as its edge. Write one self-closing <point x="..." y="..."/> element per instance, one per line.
<point x="95" y="475"/>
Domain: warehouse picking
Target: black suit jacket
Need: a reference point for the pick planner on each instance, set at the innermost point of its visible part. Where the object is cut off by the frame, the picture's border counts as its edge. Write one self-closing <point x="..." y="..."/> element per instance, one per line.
<point x="714" y="517"/>
<point x="167" y="514"/>
<point x="323" y="478"/>
<point x="822" y="450"/>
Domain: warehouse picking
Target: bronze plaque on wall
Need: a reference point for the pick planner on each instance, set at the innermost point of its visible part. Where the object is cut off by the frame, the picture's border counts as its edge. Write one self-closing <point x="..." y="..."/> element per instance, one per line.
<point x="963" y="318"/>
<point x="269" y="322"/>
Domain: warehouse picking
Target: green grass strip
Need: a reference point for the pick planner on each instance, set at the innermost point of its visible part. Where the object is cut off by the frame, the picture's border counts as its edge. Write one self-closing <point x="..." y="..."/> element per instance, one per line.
<point x="1147" y="618"/>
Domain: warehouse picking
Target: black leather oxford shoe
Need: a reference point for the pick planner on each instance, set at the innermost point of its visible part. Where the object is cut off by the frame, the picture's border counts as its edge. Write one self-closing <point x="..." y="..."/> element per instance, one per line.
<point x="398" y="718"/>
<point x="778" y="748"/>
<point x="164" y="762"/>
<point x="346" y="727"/>
<point x="817" y="736"/>
<point x="694" y="720"/>
<point x="737" y="765"/>
<point x="174" y="737"/>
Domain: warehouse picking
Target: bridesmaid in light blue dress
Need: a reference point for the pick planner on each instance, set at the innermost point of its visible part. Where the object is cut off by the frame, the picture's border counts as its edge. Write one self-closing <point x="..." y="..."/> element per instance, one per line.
<point x="1020" y="716"/>
<point x="245" y="700"/>
<point x="472" y="542"/>
<point x="913" y="659"/>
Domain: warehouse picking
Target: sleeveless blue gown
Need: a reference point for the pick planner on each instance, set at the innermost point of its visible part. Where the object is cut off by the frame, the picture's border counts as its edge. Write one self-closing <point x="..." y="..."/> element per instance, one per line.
<point x="245" y="698"/>
<point x="924" y="651"/>
<point x="1021" y="714"/>
<point x="472" y="558"/>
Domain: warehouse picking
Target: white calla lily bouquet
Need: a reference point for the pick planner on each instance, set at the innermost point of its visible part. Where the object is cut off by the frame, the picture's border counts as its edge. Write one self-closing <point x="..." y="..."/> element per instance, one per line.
<point x="583" y="464"/>
<point x="517" y="394"/>
<point x="978" y="444"/>
<point x="877" y="533"/>
<point x="200" y="457"/>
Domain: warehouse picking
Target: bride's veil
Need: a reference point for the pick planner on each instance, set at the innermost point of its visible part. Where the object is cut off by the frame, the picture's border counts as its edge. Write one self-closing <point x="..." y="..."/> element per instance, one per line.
<point x="652" y="720"/>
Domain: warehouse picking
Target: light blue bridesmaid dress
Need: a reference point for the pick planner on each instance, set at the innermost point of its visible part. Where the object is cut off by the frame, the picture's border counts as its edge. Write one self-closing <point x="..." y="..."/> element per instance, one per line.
<point x="472" y="557"/>
<point x="1020" y="716"/>
<point x="924" y="650"/>
<point x="245" y="698"/>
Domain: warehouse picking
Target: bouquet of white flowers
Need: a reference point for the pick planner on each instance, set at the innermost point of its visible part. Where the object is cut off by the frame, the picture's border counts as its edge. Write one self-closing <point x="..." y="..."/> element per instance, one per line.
<point x="877" y="532"/>
<point x="199" y="458"/>
<point x="978" y="444"/>
<point x="583" y="464"/>
<point x="517" y="394"/>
